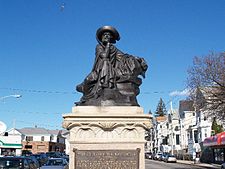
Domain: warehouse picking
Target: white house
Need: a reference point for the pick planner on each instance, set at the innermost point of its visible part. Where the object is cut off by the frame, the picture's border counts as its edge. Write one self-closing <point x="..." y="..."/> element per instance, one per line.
<point x="195" y="127"/>
<point x="10" y="143"/>
<point x="174" y="135"/>
<point x="66" y="135"/>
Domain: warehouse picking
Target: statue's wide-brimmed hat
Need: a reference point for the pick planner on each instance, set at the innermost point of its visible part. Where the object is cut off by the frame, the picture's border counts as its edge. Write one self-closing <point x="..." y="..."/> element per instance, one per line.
<point x="115" y="33"/>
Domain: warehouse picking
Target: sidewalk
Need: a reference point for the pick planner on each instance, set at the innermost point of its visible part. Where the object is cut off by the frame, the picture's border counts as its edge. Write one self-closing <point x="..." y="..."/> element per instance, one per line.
<point x="213" y="166"/>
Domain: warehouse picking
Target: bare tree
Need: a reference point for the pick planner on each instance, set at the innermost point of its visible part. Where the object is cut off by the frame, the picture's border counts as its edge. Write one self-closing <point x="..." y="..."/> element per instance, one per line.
<point x="206" y="79"/>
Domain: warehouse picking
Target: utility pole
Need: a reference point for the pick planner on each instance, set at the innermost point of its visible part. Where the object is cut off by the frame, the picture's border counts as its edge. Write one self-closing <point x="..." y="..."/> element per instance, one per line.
<point x="172" y="135"/>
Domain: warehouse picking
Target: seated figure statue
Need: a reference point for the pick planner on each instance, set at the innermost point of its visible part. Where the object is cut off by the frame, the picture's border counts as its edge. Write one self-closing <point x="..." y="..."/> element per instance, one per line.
<point x="114" y="79"/>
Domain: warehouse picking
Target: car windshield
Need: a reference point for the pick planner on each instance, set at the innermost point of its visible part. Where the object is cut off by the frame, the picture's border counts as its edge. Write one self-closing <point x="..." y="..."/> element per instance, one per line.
<point x="171" y="156"/>
<point x="10" y="164"/>
<point x="55" y="162"/>
<point x="37" y="155"/>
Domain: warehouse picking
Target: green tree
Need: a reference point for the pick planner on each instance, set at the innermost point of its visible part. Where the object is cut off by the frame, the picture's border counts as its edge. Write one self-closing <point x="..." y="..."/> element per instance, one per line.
<point x="216" y="127"/>
<point x="161" y="108"/>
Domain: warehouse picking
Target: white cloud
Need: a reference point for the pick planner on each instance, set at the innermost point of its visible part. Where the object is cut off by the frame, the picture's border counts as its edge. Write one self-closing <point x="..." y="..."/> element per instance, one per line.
<point x="184" y="92"/>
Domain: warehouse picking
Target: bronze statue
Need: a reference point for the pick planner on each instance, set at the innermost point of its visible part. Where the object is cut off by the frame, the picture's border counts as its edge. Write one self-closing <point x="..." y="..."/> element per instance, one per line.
<point x="114" y="79"/>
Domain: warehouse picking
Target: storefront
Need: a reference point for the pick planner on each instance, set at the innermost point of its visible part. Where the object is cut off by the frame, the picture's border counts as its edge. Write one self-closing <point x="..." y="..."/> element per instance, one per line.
<point x="217" y="143"/>
<point x="10" y="146"/>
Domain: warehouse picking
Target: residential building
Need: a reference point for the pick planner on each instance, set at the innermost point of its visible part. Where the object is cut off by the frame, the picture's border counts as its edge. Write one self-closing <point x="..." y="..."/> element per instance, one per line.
<point x="187" y="122"/>
<point x="182" y="131"/>
<point x="10" y="143"/>
<point x="39" y="140"/>
<point x="66" y="135"/>
<point x="160" y="133"/>
<point x="149" y="135"/>
<point x="174" y="135"/>
<point x="195" y="127"/>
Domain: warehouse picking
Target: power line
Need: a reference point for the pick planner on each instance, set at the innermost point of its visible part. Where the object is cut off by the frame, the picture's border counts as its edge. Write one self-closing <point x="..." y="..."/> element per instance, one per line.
<point x="29" y="112"/>
<point x="69" y="92"/>
<point x="38" y="91"/>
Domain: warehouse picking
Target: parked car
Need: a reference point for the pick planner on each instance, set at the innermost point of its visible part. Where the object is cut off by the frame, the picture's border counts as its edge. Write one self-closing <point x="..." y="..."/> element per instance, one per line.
<point x="35" y="162"/>
<point x="170" y="158"/>
<point x="67" y="158"/>
<point x="148" y="155"/>
<point x="56" y="163"/>
<point x="157" y="156"/>
<point x="162" y="157"/>
<point x="53" y="154"/>
<point x="26" y="153"/>
<point x="41" y="157"/>
<point x="16" y="163"/>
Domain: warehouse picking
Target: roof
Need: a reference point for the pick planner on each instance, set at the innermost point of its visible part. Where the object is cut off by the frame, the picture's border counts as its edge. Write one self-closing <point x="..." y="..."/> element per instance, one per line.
<point x="13" y="131"/>
<point x="34" y="131"/>
<point x="161" y="118"/>
<point x="40" y="131"/>
<point x="185" y="105"/>
<point x="65" y="132"/>
<point x="54" y="132"/>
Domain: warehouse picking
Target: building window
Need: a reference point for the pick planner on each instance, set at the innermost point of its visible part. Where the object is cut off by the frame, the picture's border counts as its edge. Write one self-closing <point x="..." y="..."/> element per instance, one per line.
<point x="28" y="146"/>
<point x="167" y="125"/>
<point x="196" y="136"/>
<point x="200" y="135"/>
<point x="40" y="148"/>
<point x="42" y="138"/>
<point x="191" y="135"/>
<point x="29" y="138"/>
<point x="164" y="141"/>
<point x="206" y="133"/>
<point x="177" y="139"/>
<point x="51" y="138"/>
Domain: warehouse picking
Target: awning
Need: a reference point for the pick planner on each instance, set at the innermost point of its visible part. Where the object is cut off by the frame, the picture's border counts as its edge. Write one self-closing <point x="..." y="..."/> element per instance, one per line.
<point x="9" y="145"/>
<point x="218" y="139"/>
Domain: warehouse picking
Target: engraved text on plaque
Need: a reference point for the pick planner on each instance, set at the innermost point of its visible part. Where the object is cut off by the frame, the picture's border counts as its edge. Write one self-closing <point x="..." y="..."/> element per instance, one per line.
<point x="107" y="159"/>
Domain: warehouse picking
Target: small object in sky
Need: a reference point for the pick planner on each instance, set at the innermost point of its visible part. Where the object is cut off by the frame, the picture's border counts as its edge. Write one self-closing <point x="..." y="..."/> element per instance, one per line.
<point x="62" y="7"/>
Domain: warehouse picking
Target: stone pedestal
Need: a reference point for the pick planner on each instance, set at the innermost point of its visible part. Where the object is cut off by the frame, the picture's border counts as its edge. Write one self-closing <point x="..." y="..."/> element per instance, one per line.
<point x="107" y="137"/>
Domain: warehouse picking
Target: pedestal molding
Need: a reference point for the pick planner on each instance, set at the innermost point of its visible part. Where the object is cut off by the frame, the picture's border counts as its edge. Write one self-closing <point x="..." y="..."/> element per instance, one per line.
<point x="107" y="128"/>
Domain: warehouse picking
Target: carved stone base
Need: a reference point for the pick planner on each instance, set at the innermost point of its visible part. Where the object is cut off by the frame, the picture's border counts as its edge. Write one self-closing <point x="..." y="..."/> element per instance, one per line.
<point x="110" y="137"/>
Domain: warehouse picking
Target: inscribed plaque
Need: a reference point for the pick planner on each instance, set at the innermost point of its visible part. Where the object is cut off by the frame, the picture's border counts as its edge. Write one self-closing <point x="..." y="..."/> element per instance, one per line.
<point x="106" y="159"/>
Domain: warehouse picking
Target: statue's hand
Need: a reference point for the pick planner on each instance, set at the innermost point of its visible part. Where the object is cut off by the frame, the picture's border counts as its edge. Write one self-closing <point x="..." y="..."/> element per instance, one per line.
<point x="108" y="44"/>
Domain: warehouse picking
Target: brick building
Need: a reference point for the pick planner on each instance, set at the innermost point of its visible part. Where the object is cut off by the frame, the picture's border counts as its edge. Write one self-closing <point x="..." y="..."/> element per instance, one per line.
<point x="39" y="140"/>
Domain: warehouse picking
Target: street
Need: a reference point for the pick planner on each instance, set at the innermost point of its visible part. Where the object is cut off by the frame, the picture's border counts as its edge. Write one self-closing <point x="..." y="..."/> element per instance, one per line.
<point x="152" y="164"/>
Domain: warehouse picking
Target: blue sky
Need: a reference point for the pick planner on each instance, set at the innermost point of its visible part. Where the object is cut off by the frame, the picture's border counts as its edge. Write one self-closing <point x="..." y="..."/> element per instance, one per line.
<point x="46" y="50"/>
